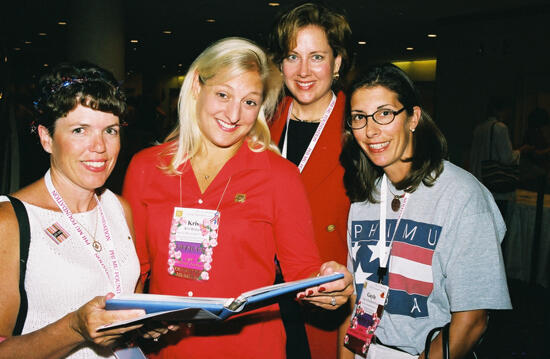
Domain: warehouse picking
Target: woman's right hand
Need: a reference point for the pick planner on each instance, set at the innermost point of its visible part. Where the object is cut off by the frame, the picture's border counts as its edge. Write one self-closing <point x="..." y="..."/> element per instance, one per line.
<point x="60" y="338"/>
<point x="92" y="315"/>
<point x="333" y="294"/>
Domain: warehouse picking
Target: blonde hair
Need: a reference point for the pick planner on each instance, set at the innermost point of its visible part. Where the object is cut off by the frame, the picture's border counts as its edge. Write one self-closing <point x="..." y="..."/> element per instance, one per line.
<point x="230" y="57"/>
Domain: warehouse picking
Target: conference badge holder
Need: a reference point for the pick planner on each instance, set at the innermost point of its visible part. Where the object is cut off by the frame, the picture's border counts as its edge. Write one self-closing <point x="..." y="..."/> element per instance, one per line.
<point x="368" y="313"/>
<point x="193" y="236"/>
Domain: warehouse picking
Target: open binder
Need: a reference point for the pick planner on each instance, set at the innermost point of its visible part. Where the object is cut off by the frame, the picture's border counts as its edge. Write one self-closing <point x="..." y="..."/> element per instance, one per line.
<point x="193" y="309"/>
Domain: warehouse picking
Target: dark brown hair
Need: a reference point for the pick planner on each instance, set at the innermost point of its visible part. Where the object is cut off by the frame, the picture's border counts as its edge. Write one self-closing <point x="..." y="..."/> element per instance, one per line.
<point x="67" y="85"/>
<point x="429" y="144"/>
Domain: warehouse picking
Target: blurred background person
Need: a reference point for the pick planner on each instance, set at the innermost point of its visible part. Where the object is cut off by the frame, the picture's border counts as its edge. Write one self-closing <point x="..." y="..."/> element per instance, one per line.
<point x="535" y="163"/>
<point x="310" y="44"/>
<point x="218" y="171"/>
<point x="491" y="140"/>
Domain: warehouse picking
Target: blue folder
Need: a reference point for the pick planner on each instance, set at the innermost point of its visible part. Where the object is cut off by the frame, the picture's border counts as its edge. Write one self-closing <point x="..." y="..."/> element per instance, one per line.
<point x="193" y="309"/>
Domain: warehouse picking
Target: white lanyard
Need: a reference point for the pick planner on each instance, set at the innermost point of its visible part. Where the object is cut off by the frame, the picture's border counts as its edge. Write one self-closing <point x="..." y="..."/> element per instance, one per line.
<point x="383" y="251"/>
<point x="110" y="247"/>
<point x="316" y="136"/>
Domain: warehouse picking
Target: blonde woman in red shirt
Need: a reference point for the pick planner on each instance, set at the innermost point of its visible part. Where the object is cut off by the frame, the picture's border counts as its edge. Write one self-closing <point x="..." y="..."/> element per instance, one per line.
<point x="218" y="174"/>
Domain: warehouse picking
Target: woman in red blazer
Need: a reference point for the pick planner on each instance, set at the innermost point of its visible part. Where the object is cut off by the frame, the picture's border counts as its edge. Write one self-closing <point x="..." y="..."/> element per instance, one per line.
<point x="309" y="43"/>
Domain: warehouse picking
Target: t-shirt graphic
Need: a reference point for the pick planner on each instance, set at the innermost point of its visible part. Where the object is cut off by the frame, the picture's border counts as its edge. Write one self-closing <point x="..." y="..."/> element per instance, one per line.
<point x="410" y="264"/>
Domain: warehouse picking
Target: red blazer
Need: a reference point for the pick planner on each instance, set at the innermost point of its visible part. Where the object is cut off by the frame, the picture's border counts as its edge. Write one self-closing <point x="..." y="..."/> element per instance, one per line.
<point x="323" y="179"/>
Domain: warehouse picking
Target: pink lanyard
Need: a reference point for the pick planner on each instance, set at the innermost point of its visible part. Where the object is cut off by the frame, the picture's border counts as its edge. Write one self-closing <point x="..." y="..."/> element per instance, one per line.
<point x="110" y="247"/>
<point x="316" y="135"/>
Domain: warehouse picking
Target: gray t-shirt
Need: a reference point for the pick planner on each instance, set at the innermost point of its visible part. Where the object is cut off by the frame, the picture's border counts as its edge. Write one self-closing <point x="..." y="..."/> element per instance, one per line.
<point x="445" y="258"/>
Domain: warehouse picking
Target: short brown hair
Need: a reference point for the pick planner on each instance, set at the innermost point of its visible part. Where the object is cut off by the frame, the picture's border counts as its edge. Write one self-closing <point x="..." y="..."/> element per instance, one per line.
<point x="68" y="85"/>
<point x="283" y="36"/>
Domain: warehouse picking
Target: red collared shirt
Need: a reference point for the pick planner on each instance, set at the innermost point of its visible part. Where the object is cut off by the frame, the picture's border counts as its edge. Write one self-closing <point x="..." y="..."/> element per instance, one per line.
<point x="264" y="212"/>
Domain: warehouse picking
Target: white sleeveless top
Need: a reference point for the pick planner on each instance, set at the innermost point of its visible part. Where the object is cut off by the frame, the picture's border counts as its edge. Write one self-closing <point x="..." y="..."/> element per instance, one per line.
<point x="62" y="274"/>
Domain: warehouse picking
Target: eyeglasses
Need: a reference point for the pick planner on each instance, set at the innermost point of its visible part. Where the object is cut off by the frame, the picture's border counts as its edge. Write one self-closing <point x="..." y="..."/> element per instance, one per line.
<point x="382" y="117"/>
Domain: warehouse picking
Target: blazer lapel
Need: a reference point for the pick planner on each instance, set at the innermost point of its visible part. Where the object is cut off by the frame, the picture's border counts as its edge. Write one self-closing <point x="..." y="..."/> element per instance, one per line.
<point x="325" y="157"/>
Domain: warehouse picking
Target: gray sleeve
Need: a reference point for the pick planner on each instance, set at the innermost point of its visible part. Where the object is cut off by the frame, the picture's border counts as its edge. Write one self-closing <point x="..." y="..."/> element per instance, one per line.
<point x="476" y="277"/>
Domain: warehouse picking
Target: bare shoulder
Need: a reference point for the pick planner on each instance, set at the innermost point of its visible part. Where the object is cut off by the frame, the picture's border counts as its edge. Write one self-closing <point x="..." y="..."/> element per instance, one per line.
<point x="7" y="215"/>
<point x="8" y="224"/>
<point x="36" y="194"/>
<point x="9" y="267"/>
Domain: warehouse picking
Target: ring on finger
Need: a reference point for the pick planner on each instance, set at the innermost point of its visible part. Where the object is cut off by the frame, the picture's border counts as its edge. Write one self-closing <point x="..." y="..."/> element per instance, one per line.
<point x="333" y="301"/>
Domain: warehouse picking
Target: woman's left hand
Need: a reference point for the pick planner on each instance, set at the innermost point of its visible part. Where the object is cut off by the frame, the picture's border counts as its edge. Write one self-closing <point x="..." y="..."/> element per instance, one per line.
<point x="330" y="295"/>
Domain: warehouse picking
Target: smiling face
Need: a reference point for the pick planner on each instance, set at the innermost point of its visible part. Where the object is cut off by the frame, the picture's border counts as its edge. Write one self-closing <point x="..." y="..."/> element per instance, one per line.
<point x="227" y="109"/>
<point x="385" y="145"/>
<point x="309" y="67"/>
<point x="84" y="148"/>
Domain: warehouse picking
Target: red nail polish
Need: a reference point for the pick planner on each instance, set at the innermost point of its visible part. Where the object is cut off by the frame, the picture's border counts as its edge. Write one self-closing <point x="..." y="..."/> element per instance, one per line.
<point x="301" y="295"/>
<point x="322" y="289"/>
<point x="309" y="292"/>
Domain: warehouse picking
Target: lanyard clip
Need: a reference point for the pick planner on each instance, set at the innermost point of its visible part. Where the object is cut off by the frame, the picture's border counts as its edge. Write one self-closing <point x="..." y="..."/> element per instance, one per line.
<point x="381" y="273"/>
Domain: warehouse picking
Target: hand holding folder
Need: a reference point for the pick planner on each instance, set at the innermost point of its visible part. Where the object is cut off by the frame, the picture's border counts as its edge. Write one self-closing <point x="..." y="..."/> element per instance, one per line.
<point x="193" y="309"/>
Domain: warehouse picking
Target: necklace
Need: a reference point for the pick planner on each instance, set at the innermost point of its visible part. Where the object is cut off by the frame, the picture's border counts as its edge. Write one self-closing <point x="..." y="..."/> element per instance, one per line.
<point x="396" y="201"/>
<point x="207" y="172"/>
<point x="299" y="120"/>
<point x="95" y="243"/>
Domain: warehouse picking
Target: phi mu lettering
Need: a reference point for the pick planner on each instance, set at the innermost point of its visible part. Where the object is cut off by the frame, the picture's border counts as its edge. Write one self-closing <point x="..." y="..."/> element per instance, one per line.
<point x="410" y="265"/>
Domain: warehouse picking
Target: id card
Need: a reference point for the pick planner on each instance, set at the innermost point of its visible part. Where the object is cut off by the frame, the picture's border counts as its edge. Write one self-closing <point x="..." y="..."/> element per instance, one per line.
<point x="365" y="320"/>
<point x="193" y="236"/>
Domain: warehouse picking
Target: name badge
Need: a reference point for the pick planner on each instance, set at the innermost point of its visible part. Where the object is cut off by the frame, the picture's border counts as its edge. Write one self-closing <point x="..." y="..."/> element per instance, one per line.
<point x="365" y="320"/>
<point x="193" y="236"/>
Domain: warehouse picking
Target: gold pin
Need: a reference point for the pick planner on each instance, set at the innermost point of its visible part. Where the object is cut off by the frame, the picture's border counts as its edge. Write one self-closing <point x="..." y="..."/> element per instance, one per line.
<point x="240" y="197"/>
<point x="331" y="228"/>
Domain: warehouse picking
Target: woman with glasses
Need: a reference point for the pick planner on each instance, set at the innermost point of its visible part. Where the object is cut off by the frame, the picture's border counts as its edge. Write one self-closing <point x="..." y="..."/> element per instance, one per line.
<point x="424" y="235"/>
<point x="309" y="43"/>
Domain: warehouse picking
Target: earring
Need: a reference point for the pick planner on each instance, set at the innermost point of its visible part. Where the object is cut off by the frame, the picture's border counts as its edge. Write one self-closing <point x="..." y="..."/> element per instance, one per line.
<point x="412" y="129"/>
<point x="336" y="76"/>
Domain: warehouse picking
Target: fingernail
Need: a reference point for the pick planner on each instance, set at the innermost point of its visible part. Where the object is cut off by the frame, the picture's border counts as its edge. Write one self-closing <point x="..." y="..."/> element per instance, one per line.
<point x="301" y="295"/>
<point x="322" y="289"/>
<point x="310" y="292"/>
